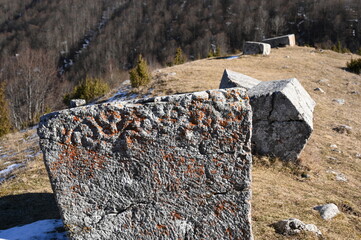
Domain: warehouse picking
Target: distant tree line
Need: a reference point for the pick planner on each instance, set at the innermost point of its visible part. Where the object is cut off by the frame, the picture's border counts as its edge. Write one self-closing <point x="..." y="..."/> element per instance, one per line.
<point x="103" y="38"/>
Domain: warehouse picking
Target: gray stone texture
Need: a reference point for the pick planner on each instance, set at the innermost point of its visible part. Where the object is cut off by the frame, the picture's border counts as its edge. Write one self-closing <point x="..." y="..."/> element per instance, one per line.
<point x="252" y="48"/>
<point x="175" y="167"/>
<point x="294" y="226"/>
<point x="281" y="41"/>
<point x="77" y="103"/>
<point x="328" y="211"/>
<point x="282" y="118"/>
<point x="231" y="79"/>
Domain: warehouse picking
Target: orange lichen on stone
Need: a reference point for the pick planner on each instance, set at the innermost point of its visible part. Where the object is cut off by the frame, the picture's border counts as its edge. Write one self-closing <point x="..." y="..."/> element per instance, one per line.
<point x="160" y="226"/>
<point x="77" y="162"/>
<point x="223" y="123"/>
<point x="163" y="229"/>
<point x="176" y="215"/>
<point x="225" y="206"/>
<point x="194" y="170"/>
<point x="128" y="140"/>
<point x="229" y="233"/>
<point x="168" y="161"/>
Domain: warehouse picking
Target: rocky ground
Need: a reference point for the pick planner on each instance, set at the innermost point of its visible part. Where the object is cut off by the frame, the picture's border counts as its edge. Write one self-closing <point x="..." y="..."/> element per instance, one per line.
<point x="329" y="168"/>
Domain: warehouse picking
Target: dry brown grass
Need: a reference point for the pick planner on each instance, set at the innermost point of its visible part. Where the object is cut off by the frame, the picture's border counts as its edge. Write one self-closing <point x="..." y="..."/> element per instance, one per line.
<point x="27" y="196"/>
<point x="23" y="147"/>
<point x="279" y="191"/>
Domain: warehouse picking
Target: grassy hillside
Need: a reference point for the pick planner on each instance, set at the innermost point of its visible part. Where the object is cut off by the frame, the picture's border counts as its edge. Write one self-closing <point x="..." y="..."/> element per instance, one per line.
<point x="279" y="190"/>
<point x="66" y="41"/>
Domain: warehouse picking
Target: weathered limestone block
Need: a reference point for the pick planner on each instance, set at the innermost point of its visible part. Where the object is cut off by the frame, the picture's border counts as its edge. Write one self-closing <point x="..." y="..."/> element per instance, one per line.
<point x="282" y="114"/>
<point x="282" y="118"/>
<point x="282" y="41"/>
<point x="232" y="79"/>
<point x="77" y="103"/>
<point x="252" y="48"/>
<point x="175" y="167"/>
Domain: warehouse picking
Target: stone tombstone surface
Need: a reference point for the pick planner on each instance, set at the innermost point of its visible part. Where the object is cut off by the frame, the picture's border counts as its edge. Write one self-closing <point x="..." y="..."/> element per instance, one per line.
<point x="281" y="41"/>
<point x="231" y="79"/>
<point x="174" y="167"/>
<point x="282" y="118"/>
<point x="77" y="103"/>
<point x="252" y="48"/>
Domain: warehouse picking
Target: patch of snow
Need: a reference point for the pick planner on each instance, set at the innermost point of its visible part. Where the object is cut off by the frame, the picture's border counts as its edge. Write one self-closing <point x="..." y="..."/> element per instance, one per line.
<point x="4" y="156"/>
<point x="33" y="155"/>
<point x="10" y="169"/>
<point x="126" y="82"/>
<point x="231" y="57"/>
<point x="133" y="96"/>
<point x="123" y="93"/>
<point x="40" y="230"/>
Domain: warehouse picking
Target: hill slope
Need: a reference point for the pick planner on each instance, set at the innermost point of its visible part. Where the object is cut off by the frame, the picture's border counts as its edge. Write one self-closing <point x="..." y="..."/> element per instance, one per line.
<point x="279" y="191"/>
<point x="66" y="41"/>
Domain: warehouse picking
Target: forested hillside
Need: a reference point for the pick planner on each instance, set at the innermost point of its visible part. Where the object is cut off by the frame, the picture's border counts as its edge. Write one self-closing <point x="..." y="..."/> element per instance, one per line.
<point x="48" y="46"/>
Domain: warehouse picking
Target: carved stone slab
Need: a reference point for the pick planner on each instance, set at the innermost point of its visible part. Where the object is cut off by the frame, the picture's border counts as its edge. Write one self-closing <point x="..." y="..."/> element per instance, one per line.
<point x="282" y="118"/>
<point x="281" y="41"/>
<point x="175" y="167"/>
<point x="232" y="79"/>
<point x="252" y="48"/>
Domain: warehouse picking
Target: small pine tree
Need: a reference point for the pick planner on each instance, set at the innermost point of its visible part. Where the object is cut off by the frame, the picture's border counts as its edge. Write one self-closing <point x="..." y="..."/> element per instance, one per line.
<point x="210" y="53"/>
<point x="140" y="74"/>
<point x="354" y="66"/>
<point x="214" y="52"/>
<point x="179" y="58"/>
<point x="5" y="124"/>
<point x="89" y="89"/>
<point x="218" y="52"/>
<point x="339" y="48"/>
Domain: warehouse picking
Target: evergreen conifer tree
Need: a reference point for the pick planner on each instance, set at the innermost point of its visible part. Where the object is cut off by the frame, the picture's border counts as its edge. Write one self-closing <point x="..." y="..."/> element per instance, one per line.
<point x="140" y="74"/>
<point x="179" y="58"/>
<point x="89" y="89"/>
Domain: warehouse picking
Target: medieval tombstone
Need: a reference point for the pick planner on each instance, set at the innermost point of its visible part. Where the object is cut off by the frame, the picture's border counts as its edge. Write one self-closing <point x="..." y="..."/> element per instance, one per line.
<point x="174" y="167"/>
<point x="282" y="118"/>
<point x="77" y="103"/>
<point x="281" y="41"/>
<point x="231" y="79"/>
<point x="252" y="48"/>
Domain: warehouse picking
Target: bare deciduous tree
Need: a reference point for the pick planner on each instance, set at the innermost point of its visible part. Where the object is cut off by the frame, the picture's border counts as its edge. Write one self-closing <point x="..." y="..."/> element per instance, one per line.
<point x="30" y="82"/>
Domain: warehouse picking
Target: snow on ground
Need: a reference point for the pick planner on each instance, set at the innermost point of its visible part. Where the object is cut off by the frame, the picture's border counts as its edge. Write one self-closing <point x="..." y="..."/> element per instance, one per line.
<point x="123" y="93"/>
<point x="40" y="230"/>
<point x="10" y="169"/>
<point x="4" y="174"/>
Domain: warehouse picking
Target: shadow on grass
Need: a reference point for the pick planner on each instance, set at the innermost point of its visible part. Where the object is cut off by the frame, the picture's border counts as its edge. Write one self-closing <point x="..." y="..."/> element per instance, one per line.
<point x="346" y="69"/>
<point x="16" y="210"/>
